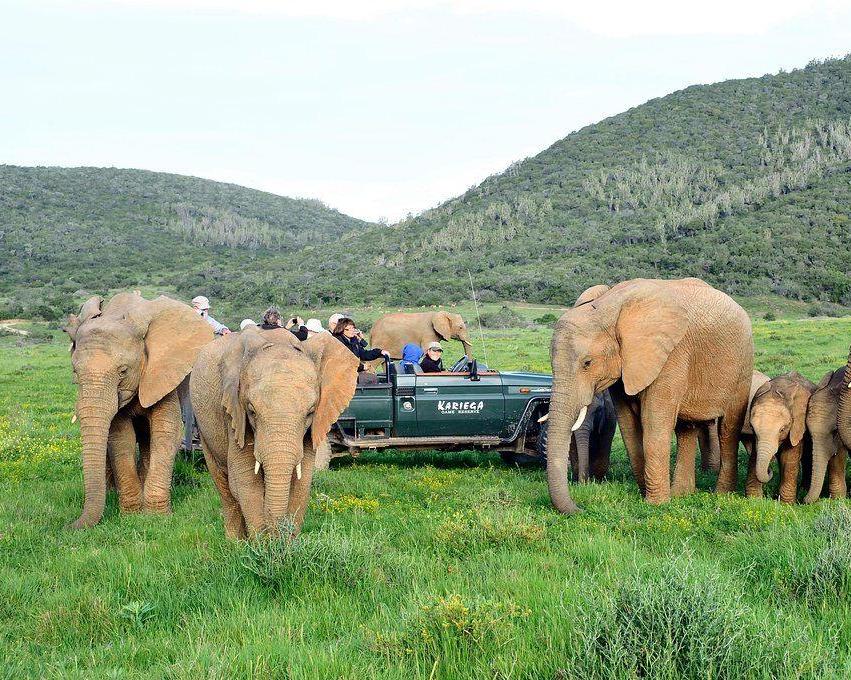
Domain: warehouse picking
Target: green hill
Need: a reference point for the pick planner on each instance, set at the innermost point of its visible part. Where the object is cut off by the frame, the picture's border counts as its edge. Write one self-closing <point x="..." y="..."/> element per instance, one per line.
<point x="63" y="230"/>
<point x="745" y="183"/>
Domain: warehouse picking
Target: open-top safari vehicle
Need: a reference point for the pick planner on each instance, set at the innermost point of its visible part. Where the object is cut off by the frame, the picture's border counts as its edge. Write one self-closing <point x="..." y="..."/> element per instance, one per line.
<point x="466" y="407"/>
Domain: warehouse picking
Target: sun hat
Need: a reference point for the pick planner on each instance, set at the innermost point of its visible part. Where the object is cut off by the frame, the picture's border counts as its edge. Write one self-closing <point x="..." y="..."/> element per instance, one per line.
<point x="200" y="302"/>
<point x="435" y="345"/>
<point x="334" y="318"/>
<point x="314" y="326"/>
<point x="245" y="323"/>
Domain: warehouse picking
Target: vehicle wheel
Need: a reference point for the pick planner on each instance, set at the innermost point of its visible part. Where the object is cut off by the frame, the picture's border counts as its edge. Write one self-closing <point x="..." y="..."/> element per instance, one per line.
<point x="542" y="442"/>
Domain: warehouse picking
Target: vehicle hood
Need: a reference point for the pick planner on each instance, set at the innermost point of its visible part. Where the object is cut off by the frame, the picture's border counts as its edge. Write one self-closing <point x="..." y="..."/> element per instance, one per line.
<point x="521" y="378"/>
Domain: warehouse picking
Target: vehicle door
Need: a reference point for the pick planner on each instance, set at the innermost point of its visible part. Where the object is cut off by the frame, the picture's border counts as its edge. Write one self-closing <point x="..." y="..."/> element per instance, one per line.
<point x="454" y="404"/>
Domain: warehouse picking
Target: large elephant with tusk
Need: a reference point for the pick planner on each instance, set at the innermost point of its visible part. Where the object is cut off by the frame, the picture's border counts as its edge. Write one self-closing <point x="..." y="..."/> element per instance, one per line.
<point x="128" y="357"/>
<point x="670" y="352"/>
<point x="264" y="403"/>
<point x="393" y="331"/>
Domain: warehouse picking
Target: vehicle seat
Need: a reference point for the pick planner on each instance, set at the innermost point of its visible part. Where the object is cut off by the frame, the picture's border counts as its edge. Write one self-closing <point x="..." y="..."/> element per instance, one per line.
<point x="407" y="368"/>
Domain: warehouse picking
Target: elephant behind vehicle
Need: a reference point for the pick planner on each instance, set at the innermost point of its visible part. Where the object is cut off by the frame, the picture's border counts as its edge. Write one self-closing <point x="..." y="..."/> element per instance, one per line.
<point x="668" y="351"/>
<point x="392" y="332"/>
<point x="128" y="359"/>
<point x="264" y="403"/>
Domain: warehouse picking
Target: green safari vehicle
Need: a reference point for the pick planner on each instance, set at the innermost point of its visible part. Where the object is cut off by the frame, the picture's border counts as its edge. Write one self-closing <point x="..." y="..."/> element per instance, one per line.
<point x="466" y="407"/>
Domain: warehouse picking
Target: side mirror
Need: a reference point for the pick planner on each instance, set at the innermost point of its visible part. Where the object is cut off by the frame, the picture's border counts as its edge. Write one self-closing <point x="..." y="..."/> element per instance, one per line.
<point x="474" y="371"/>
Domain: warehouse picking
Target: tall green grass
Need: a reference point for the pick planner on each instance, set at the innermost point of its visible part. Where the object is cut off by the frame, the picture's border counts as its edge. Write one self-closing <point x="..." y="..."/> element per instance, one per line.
<point x="417" y="564"/>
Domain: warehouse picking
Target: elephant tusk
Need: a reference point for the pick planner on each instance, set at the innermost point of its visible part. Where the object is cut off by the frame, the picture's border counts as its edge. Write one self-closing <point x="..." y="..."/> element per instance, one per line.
<point x="71" y="347"/>
<point x="298" y="471"/>
<point x="544" y="418"/>
<point x="580" y="419"/>
<point x="256" y="466"/>
<point x="74" y="418"/>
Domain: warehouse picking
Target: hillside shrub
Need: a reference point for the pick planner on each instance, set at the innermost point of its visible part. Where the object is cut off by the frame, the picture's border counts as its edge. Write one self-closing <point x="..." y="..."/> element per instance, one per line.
<point x="504" y="317"/>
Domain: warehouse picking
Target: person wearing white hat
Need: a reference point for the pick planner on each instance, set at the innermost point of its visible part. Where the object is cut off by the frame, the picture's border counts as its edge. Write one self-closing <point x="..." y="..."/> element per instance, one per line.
<point x="202" y="305"/>
<point x="332" y="321"/>
<point x="313" y="327"/>
<point x="245" y="323"/>
<point x="432" y="361"/>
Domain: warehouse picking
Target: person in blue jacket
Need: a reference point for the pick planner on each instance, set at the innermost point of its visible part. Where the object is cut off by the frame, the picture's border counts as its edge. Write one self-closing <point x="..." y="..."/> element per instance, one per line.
<point x="411" y="355"/>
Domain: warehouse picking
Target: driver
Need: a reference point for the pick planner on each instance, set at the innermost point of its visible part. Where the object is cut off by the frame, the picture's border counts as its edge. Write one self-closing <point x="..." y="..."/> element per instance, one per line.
<point x="432" y="362"/>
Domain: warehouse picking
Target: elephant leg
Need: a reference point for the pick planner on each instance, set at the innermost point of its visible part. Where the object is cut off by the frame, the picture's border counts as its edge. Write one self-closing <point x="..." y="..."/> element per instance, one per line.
<point x="234" y="521"/>
<point x="729" y="431"/>
<point x="601" y="451"/>
<point x="247" y="486"/>
<point x="323" y="456"/>
<point x="753" y="487"/>
<point x="790" y="463"/>
<point x="631" y="433"/>
<point x="122" y="460"/>
<point x="300" y="489"/>
<point x="710" y="447"/>
<point x="165" y="428"/>
<point x="657" y="423"/>
<point x="684" y="471"/>
<point x="143" y="438"/>
<point x="836" y="473"/>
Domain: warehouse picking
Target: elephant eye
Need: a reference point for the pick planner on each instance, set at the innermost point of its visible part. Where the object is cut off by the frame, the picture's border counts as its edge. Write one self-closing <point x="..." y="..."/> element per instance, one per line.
<point x="587" y="363"/>
<point x="122" y="370"/>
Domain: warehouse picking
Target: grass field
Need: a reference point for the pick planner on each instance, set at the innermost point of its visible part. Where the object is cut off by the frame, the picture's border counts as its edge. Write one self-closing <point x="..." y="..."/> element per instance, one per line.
<point x="418" y="565"/>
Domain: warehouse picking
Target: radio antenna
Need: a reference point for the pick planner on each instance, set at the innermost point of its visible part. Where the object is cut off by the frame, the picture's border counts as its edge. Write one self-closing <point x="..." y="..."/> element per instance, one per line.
<point x="479" y="319"/>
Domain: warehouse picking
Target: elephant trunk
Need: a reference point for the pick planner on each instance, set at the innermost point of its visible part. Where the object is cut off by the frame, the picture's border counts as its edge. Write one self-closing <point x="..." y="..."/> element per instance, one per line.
<point x="468" y="347"/>
<point x="821" y="456"/>
<point x="765" y="451"/>
<point x="279" y="454"/>
<point x="564" y="412"/>
<point x="843" y="412"/>
<point x="96" y="406"/>
<point x="582" y="436"/>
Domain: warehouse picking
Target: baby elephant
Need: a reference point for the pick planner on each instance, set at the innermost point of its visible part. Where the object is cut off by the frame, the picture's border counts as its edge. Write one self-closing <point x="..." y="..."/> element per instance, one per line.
<point x="264" y="403"/>
<point x="778" y="418"/>
<point x="829" y="452"/>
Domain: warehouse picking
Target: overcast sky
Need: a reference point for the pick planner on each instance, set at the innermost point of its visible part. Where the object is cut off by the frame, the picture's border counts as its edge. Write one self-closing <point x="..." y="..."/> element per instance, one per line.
<point x="378" y="108"/>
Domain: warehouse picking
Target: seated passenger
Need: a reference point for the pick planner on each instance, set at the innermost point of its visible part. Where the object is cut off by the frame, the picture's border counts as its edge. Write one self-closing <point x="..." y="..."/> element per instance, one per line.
<point x="245" y="323"/>
<point x="296" y="326"/>
<point x="271" y="319"/>
<point x="411" y="355"/>
<point x="432" y="362"/>
<point x="346" y="332"/>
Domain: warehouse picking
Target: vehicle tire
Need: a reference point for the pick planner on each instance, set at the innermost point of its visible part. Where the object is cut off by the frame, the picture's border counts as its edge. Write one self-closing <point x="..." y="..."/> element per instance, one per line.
<point x="542" y="442"/>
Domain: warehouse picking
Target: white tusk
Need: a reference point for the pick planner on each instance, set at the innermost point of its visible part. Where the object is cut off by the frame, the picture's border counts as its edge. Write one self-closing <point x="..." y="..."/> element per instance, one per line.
<point x="298" y="471"/>
<point x="71" y="346"/>
<point x="74" y="418"/>
<point x="580" y="419"/>
<point x="544" y="418"/>
<point x="256" y="466"/>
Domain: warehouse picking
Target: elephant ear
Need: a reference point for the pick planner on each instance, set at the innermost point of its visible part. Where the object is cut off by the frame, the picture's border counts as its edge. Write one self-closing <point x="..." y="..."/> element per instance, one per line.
<point x="174" y="335"/>
<point x="442" y="325"/>
<point x="90" y="309"/>
<point x="590" y="294"/>
<point x="649" y="326"/>
<point x="338" y="378"/>
<point x="798" y="401"/>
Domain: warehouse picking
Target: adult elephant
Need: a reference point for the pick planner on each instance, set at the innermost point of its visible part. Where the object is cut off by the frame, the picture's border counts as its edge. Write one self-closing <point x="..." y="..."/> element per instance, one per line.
<point x="264" y="403"/>
<point x="829" y="450"/>
<point x="393" y="331"/>
<point x="778" y="419"/>
<point x="128" y="359"/>
<point x="668" y="351"/>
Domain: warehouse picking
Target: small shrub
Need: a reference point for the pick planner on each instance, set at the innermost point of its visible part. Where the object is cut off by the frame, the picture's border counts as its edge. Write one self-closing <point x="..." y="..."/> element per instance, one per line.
<point x="769" y="316"/>
<point x="466" y="532"/>
<point x="464" y="625"/>
<point x="684" y="625"/>
<point x="826" y="575"/>
<point x="328" y="555"/>
<point x="547" y="319"/>
<point x="505" y="317"/>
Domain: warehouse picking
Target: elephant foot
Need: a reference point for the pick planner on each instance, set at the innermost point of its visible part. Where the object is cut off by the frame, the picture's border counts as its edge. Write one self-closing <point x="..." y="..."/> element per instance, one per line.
<point x="786" y="499"/>
<point x="156" y="506"/>
<point x="725" y="486"/>
<point x="129" y="507"/>
<point x="680" y="490"/>
<point x="809" y="499"/>
<point x="658" y="497"/>
<point x="753" y="492"/>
